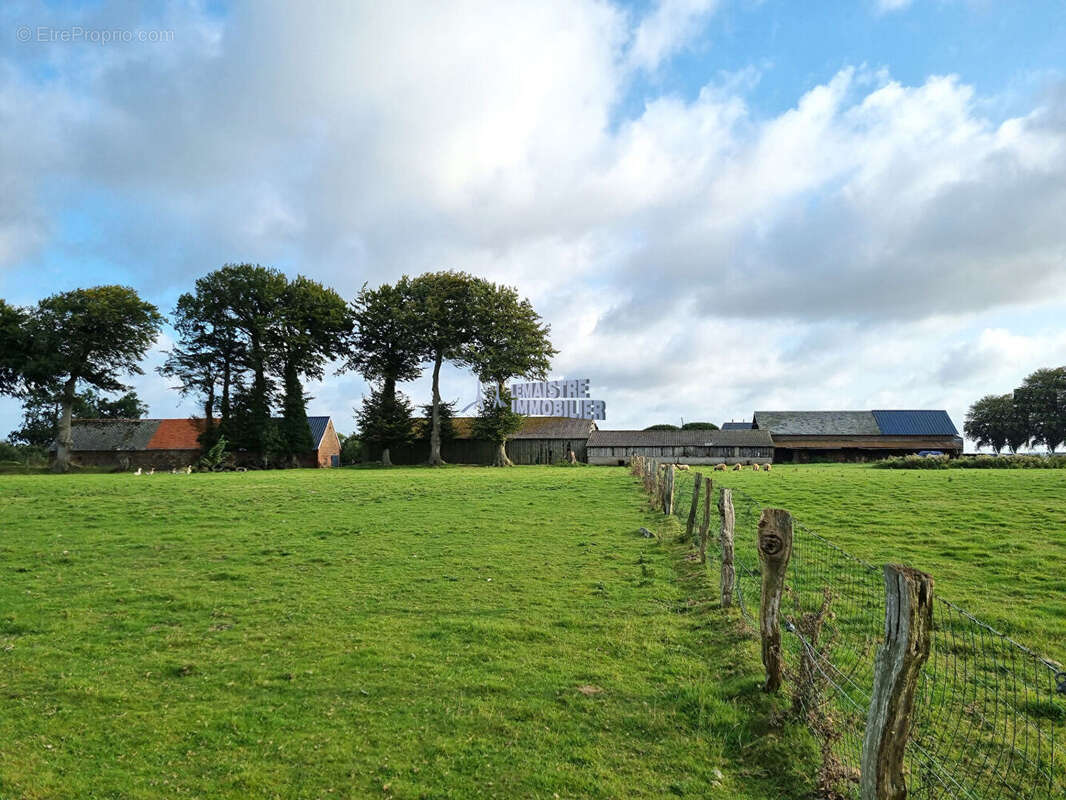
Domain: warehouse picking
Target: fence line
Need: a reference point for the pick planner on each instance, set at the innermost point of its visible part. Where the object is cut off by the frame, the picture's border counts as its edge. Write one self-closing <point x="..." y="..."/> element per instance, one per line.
<point x="989" y="713"/>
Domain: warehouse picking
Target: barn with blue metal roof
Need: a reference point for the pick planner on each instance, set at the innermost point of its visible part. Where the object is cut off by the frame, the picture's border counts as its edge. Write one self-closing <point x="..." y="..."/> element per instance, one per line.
<point x="803" y="436"/>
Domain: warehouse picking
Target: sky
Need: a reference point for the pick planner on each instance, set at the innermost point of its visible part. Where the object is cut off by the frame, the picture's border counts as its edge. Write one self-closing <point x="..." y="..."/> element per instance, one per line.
<point x="718" y="205"/>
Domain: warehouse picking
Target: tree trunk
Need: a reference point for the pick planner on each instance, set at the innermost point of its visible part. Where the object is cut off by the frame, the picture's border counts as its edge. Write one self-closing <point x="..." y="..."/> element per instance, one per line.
<point x="386" y="460"/>
<point x="434" y="434"/>
<point x="64" y="440"/>
<point x="502" y="460"/>
<point x="225" y="406"/>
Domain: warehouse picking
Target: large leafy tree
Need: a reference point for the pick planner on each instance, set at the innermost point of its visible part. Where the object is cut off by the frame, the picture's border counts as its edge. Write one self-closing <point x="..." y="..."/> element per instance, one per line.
<point x="386" y="348"/>
<point x="986" y="421"/>
<point x="314" y="327"/>
<point x="41" y="410"/>
<point x="445" y="305"/>
<point x="699" y="426"/>
<point x="13" y="348"/>
<point x="1042" y="398"/>
<point x="509" y="340"/>
<point x="210" y="360"/>
<point x="89" y="337"/>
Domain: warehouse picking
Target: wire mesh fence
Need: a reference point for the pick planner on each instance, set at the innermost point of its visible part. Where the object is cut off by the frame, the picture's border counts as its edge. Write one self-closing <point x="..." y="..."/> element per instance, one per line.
<point x="990" y="714"/>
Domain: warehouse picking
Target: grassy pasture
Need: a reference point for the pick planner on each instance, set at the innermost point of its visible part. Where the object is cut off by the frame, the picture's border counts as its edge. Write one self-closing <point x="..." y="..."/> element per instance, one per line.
<point x="993" y="540"/>
<point x="366" y="633"/>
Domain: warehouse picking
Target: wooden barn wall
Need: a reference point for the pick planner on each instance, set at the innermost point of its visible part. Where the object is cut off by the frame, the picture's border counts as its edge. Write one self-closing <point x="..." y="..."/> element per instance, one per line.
<point x="477" y="451"/>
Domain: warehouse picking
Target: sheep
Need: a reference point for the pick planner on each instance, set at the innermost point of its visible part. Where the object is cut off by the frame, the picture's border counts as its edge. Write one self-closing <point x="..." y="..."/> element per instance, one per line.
<point x="766" y="467"/>
<point x="720" y="467"/>
<point x="737" y="467"/>
<point x="755" y="467"/>
<point x="681" y="466"/>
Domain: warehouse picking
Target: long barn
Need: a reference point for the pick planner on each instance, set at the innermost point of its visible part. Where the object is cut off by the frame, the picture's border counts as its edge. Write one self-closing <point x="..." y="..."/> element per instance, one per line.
<point x="801" y="436"/>
<point x="682" y="447"/>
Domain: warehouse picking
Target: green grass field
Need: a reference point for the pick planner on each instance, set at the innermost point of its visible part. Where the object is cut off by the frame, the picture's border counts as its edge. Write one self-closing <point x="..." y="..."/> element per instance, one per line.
<point x="993" y="540"/>
<point x="368" y="633"/>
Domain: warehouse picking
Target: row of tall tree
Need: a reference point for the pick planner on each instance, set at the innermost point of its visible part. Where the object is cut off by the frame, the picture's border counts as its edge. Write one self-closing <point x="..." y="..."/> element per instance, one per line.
<point x="248" y="339"/>
<point x="1033" y="415"/>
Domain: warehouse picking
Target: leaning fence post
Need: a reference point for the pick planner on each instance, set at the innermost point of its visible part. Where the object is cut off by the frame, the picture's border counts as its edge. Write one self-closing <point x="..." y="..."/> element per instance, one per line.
<point x="775" y="549"/>
<point x="729" y="575"/>
<point x="908" y="627"/>
<point x="697" y="480"/>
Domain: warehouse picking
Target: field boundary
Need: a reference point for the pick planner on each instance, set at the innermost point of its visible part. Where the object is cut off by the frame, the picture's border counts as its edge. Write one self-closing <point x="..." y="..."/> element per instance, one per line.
<point x="987" y="714"/>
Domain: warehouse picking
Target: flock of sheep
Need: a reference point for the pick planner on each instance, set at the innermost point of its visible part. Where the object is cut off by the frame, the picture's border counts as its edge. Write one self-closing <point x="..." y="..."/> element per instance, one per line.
<point x="173" y="471"/>
<point x="736" y="467"/>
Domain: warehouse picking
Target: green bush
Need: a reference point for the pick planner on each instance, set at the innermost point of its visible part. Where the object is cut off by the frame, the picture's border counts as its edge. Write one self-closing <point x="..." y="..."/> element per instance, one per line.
<point x="974" y="462"/>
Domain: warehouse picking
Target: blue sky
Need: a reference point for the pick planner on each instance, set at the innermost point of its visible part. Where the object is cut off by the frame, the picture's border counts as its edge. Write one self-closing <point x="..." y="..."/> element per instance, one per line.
<point x="844" y="205"/>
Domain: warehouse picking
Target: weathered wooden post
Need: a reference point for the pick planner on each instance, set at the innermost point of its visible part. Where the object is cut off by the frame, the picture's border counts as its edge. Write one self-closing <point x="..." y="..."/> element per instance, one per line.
<point x="706" y="526"/>
<point x="697" y="481"/>
<point x="908" y="629"/>
<point x="775" y="549"/>
<point x="668" y="489"/>
<point x="729" y="520"/>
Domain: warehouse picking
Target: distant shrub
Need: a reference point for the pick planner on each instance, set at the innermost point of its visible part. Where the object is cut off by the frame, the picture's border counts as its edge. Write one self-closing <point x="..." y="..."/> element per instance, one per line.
<point x="973" y="462"/>
<point x="23" y="455"/>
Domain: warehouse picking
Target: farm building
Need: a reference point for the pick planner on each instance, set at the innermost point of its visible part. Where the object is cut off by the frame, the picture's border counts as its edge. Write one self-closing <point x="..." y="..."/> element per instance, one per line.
<point x="682" y="447"/>
<point x="169" y="443"/>
<point x="736" y="426"/>
<point x="857" y="435"/>
<point x="541" y="440"/>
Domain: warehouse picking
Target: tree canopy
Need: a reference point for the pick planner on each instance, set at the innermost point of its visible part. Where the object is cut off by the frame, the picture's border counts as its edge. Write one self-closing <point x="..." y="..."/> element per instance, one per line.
<point x="1034" y="413"/>
<point x="89" y="336"/>
<point x="699" y="426"/>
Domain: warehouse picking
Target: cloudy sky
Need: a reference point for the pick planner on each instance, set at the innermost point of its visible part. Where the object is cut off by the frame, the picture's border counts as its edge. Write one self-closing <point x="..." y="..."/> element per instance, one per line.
<point x="719" y="205"/>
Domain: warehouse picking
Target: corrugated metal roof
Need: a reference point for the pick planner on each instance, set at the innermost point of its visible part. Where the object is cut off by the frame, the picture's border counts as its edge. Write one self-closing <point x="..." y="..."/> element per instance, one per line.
<point x="736" y="426"/>
<point x="112" y="434"/>
<point x="318" y="429"/>
<point x="155" y="434"/>
<point x="915" y="423"/>
<point x="738" y="438"/>
<point x="818" y="423"/>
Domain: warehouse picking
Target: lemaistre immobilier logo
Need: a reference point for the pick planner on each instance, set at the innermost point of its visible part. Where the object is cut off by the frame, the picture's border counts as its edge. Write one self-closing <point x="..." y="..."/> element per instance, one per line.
<point x="563" y="398"/>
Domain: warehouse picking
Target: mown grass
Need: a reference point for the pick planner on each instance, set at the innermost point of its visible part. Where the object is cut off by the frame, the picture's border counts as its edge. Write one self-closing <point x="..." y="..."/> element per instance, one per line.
<point x="355" y="633"/>
<point x="994" y="541"/>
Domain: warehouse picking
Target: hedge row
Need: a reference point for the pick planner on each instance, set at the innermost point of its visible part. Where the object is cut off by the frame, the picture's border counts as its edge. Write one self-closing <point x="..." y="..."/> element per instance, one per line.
<point x="973" y="462"/>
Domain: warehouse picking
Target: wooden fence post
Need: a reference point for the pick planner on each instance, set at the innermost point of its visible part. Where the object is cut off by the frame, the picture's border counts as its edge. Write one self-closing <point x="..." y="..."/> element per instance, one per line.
<point x="668" y="489"/>
<point x="697" y="481"/>
<point x="729" y="519"/>
<point x="908" y="628"/>
<point x="775" y="549"/>
<point x="706" y="526"/>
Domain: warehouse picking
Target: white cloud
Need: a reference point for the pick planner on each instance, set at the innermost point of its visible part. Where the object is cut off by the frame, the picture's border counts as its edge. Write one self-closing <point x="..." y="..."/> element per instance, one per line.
<point x="669" y="26"/>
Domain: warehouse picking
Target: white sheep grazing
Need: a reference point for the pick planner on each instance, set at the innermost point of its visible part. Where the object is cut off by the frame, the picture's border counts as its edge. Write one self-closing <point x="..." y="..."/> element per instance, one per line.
<point x="755" y="467"/>
<point x="766" y="467"/>
<point x="719" y="467"/>
<point x="737" y="467"/>
<point x="681" y="466"/>
<point x="138" y="472"/>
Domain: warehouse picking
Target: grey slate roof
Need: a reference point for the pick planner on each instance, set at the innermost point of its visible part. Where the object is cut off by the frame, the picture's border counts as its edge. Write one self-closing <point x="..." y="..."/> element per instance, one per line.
<point x="915" y="423"/>
<point x="318" y="429"/>
<point x="741" y="438"/>
<point x="554" y="428"/>
<point x="818" y="423"/>
<point x="112" y="434"/>
<point x="736" y="426"/>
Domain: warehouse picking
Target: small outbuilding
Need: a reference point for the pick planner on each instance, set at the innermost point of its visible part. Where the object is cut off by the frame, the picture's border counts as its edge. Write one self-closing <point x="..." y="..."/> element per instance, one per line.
<point x="682" y="447"/>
